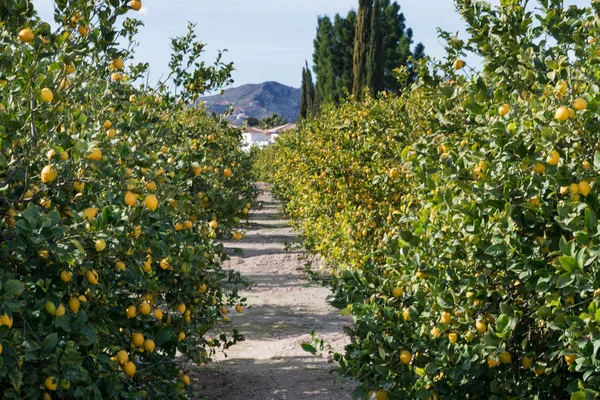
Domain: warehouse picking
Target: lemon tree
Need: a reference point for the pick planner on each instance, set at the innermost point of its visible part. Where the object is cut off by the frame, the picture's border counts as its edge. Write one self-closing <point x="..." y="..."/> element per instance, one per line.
<point x="112" y="194"/>
<point x="460" y="218"/>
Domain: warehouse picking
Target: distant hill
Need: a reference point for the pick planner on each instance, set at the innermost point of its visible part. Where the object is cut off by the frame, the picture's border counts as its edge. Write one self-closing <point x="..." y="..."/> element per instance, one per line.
<point x="257" y="100"/>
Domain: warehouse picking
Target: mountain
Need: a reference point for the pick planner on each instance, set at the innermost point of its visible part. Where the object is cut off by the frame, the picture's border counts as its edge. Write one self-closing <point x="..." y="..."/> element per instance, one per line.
<point x="258" y="101"/>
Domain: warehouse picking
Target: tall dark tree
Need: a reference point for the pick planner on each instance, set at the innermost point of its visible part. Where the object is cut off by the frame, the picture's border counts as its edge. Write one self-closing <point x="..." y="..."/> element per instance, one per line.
<point x="376" y="55"/>
<point x="361" y="46"/>
<point x="323" y="59"/>
<point x="307" y="98"/>
<point x="344" y="30"/>
<point x="335" y="49"/>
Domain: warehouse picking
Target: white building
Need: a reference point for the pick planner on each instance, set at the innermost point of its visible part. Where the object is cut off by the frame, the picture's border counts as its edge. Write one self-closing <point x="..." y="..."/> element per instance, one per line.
<point x="262" y="138"/>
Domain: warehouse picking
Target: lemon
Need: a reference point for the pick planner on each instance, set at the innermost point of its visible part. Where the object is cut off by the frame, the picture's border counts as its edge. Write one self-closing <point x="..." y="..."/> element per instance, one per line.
<point x="120" y="266"/>
<point x="435" y="333"/>
<point x="107" y="124"/>
<point x="131" y="312"/>
<point x="74" y="305"/>
<point x="405" y="357"/>
<point x="178" y="226"/>
<point x="181" y="336"/>
<point x="50" y="308"/>
<point x="137" y="339"/>
<point x="26" y="35"/>
<point x="237" y="236"/>
<point x="553" y="158"/>
<point x="213" y="224"/>
<point x="158" y="314"/>
<point x="381" y="395"/>
<point x="452" y="338"/>
<point x="492" y="362"/>
<point x="118" y="63"/>
<point x="539" y="168"/>
<point x="164" y="264"/>
<point x="60" y="311"/>
<point x="570" y="358"/>
<point x="48" y="174"/>
<point x="540" y="370"/>
<point x="46" y="95"/>
<point x="574" y="188"/>
<point x="228" y="173"/>
<point x="481" y="327"/>
<point x="151" y="186"/>
<point x="66" y="276"/>
<point x="458" y="64"/>
<point x="446" y="318"/>
<point x="92" y="277"/>
<point x="238" y="308"/>
<point x="584" y="188"/>
<point x="100" y="245"/>
<point x="51" y="384"/>
<point x="186" y="380"/>
<point x="151" y="202"/>
<point x="130" y="198"/>
<point x="202" y="288"/>
<point x="181" y="308"/>
<point x="503" y="110"/>
<point x="527" y="362"/>
<point x="78" y="186"/>
<point x="122" y="357"/>
<point x="397" y="292"/>
<point x="562" y="114"/>
<point x="149" y="345"/>
<point x="129" y="369"/>
<point x="188" y="224"/>
<point x="406" y="314"/>
<point x="505" y="357"/>
<point x="95" y="154"/>
<point x="580" y="104"/>
<point x="0" y="349"/>
<point x="90" y="213"/>
<point x="145" y="308"/>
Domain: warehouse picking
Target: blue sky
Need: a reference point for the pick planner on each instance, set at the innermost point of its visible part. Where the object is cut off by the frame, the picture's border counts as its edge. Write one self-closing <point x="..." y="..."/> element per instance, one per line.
<point x="268" y="40"/>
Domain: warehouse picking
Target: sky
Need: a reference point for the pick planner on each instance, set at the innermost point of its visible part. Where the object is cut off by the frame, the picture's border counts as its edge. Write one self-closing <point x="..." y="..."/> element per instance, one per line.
<point x="267" y="40"/>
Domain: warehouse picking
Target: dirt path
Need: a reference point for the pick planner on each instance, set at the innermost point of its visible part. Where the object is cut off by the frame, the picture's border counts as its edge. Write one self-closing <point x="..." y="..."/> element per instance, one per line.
<point x="282" y="310"/>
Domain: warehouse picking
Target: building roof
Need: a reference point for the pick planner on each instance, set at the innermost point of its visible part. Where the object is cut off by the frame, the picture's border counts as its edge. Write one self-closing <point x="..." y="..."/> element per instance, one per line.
<point x="282" y="128"/>
<point x="254" y="130"/>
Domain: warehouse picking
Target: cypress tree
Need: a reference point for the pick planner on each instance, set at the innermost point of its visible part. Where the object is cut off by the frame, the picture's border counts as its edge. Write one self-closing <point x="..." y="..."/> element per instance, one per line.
<point x="303" y="96"/>
<point x="376" y="55"/>
<point x="361" y="46"/>
<point x="323" y="59"/>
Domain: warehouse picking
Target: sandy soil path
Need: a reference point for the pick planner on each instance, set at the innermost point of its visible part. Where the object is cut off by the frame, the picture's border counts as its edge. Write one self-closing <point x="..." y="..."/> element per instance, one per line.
<point x="283" y="308"/>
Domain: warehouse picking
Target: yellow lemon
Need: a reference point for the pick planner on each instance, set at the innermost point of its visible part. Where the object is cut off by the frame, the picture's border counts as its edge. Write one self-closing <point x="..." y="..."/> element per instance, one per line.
<point x="90" y="213"/>
<point x="129" y="369"/>
<point x="527" y="362"/>
<point x="130" y="198"/>
<point x="158" y="314"/>
<point x="145" y="308"/>
<point x="553" y="158"/>
<point x="505" y="357"/>
<point x="122" y="357"/>
<point x="151" y="202"/>
<point x="78" y="186"/>
<point x="492" y="362"/>
<point x="562" y="114"/>
<point x="584" y="188"/>
<point x="580" y="104"/>
<point x="74" y="305"/>
<point x="137" y="339"/>
<point x="131" y="312"/>
<point x="48" y="174"/>
<point x="452" y="338"/>
<point x="46" y="95"/>
<point x="100" y="245"/>
<point x="503" y="110"/>
<point x="66" y="276"/>
<point x="149" y="345"/>
<point x="186" y="380"/>
<point x="481" y="327"/>
<point x="51" y="384"/>
<point x="458" y="64"/>
<point x="26" y="35"/>
<point x="95" y="154"/>
<point x="405" y="357"/>
<point x="92" y="277"/>
<point x="539" y="168"/>
<point x="118" y="63"/>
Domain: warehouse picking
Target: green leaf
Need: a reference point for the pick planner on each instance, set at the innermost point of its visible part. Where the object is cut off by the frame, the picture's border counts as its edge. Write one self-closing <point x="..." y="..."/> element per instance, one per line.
<point x="48" y="344"/>
<point x="14" y="287"/>
<point x="422" y="393"/>
<point x="309" y="348"/>
<point x="565" y="280"/>
<point x="496" y="250"/>
<point x="568" y="263"/>
<point x="502" y="323"/>
<point x="578" y="395"/>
